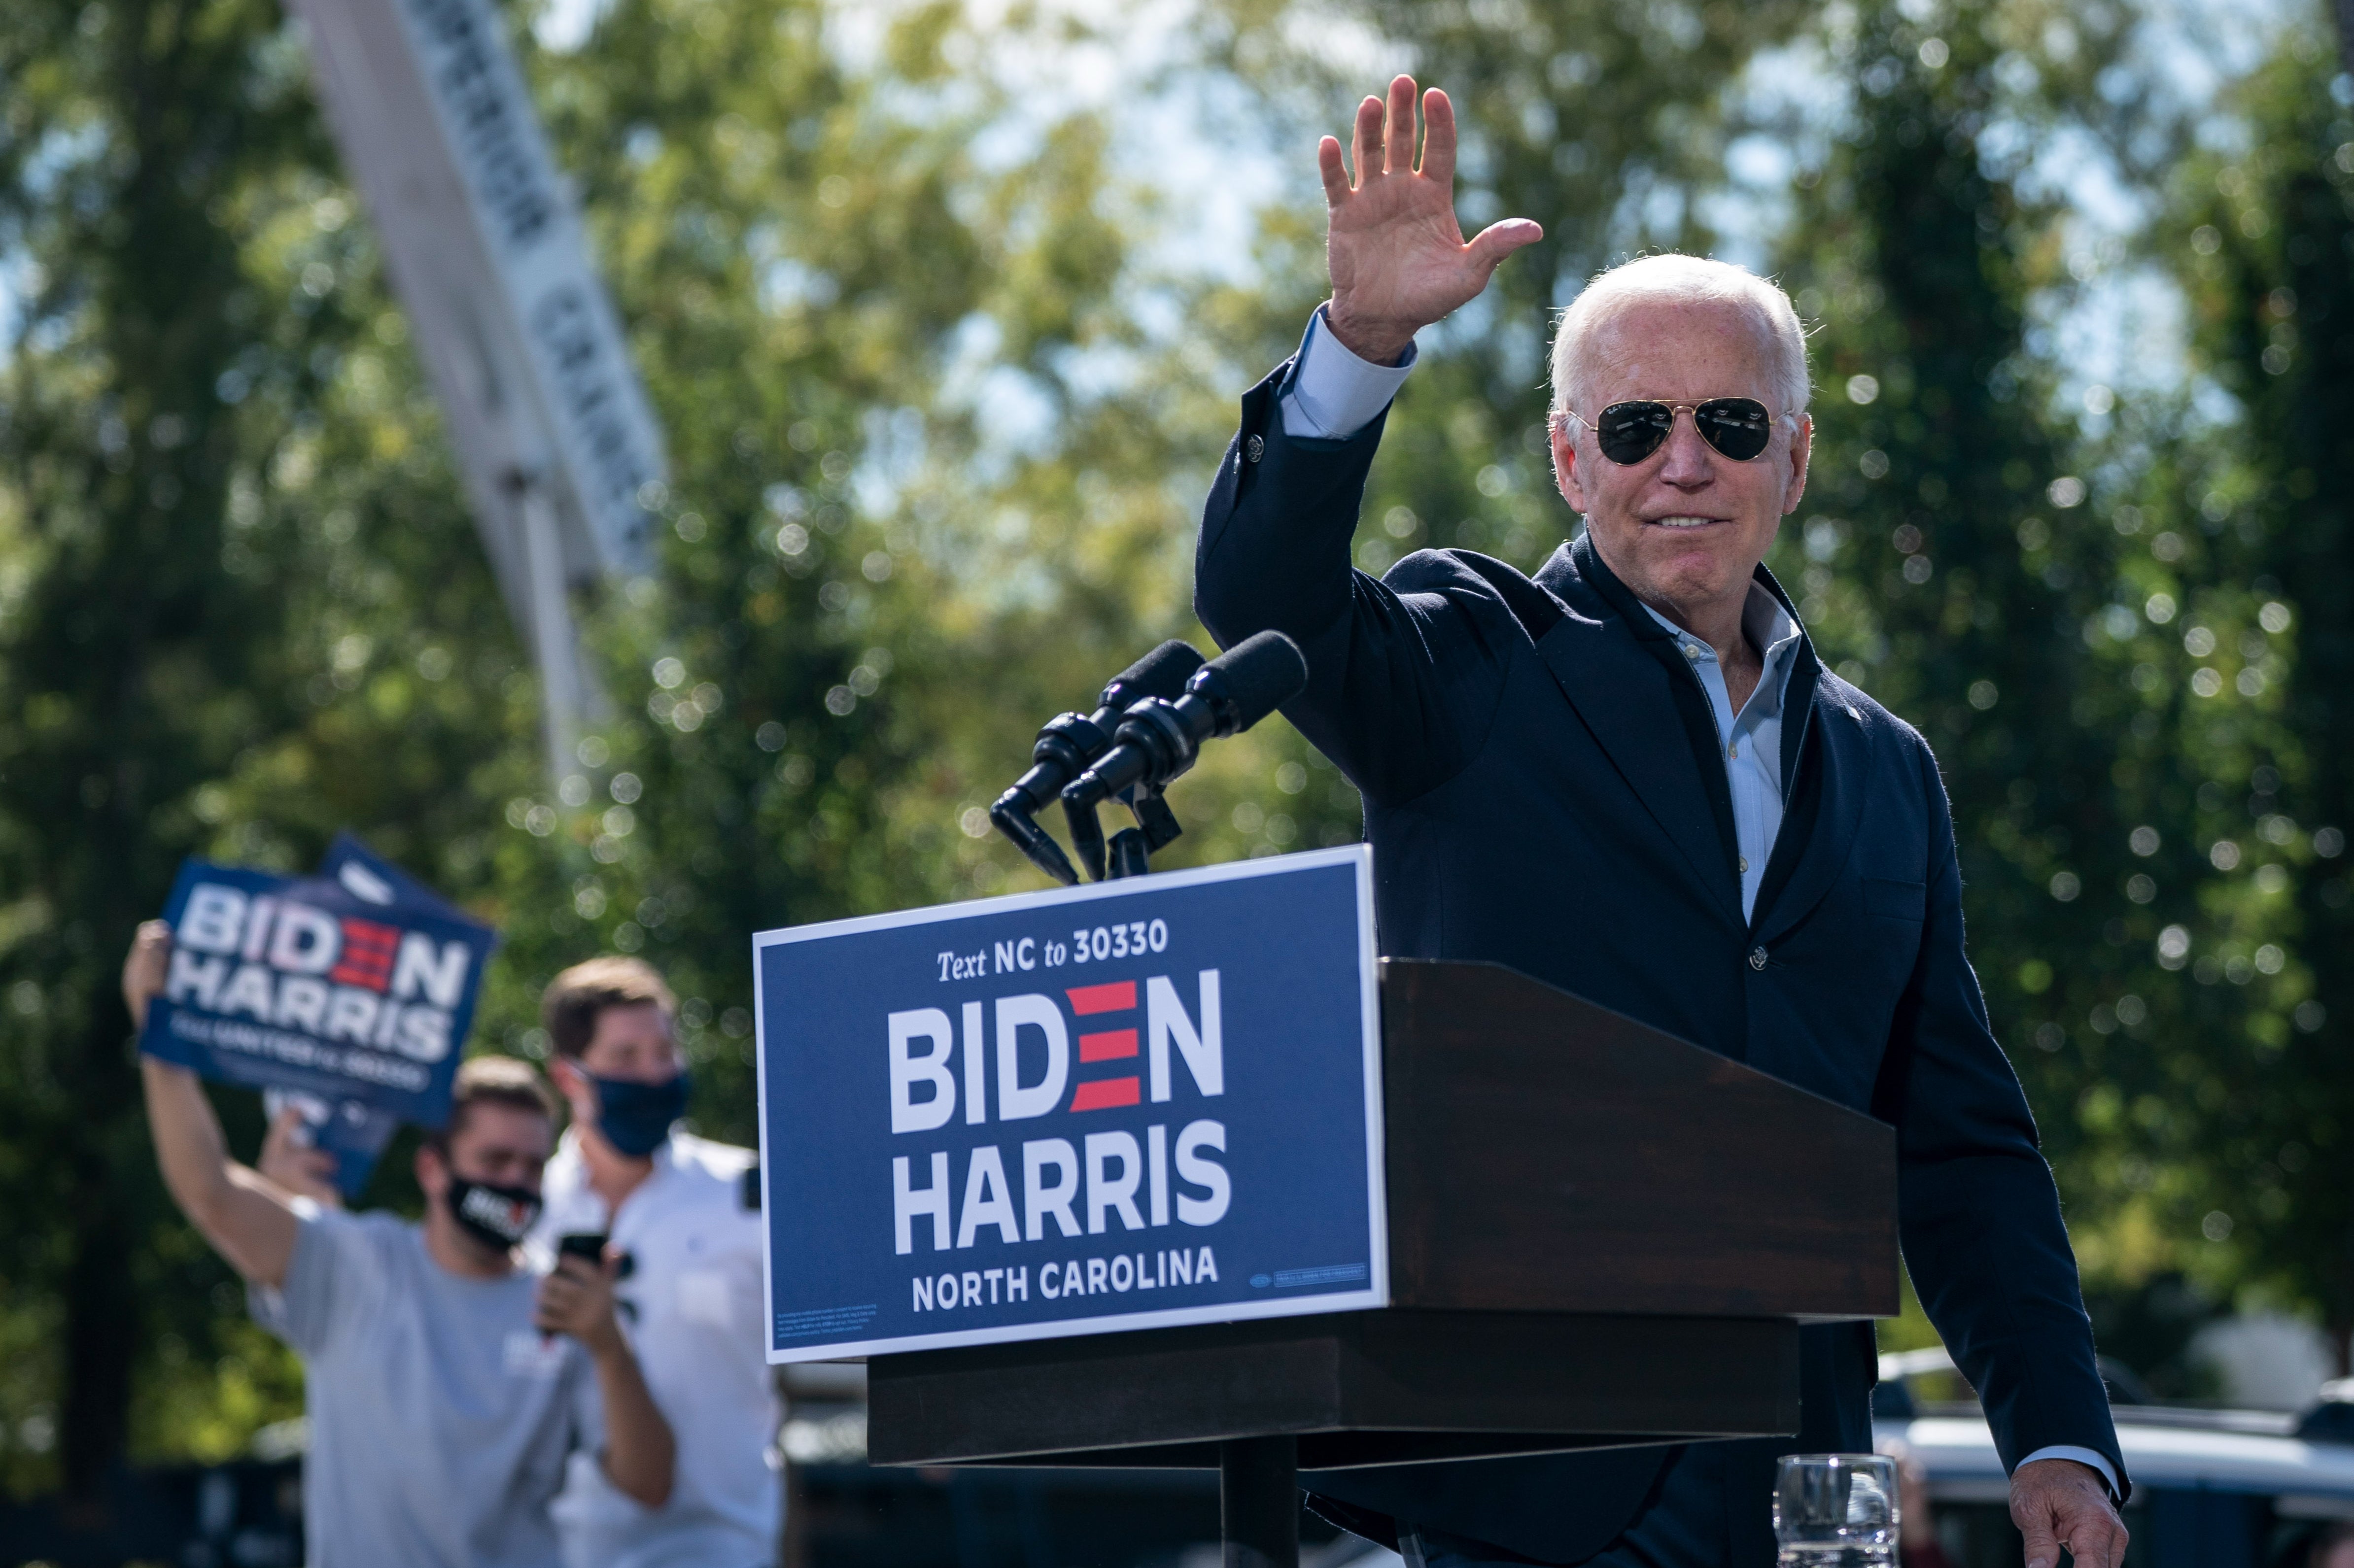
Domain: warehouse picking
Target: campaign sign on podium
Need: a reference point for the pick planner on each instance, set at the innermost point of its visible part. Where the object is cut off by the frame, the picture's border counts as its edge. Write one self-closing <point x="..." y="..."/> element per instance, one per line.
<point x="1138" y="1104"/>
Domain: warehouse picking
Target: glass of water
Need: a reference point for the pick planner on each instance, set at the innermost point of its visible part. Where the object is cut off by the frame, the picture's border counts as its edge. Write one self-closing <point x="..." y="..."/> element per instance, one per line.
<point x="1836" y="1510"/>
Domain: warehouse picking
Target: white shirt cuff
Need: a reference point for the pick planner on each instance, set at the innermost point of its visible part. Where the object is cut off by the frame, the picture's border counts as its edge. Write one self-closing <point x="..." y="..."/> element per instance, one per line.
<point x="2081" y="1457"/>
<point x="1334" y="394"/>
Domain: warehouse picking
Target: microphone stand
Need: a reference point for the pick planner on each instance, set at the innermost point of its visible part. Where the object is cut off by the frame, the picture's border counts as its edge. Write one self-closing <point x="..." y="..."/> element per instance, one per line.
<point x="1157" y="740"/>
<point x="1128" y="856"/>
<point x="1070" y="744"/>
<point x="1156" y="828"/>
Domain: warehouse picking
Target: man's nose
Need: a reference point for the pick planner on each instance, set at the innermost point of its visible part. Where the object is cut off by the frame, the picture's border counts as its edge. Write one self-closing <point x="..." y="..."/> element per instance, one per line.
<point x="1689" y="462"/>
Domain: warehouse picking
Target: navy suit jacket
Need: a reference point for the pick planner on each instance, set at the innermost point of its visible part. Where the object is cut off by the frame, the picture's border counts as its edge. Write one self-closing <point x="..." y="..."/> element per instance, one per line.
<point x="1543" y="789"/>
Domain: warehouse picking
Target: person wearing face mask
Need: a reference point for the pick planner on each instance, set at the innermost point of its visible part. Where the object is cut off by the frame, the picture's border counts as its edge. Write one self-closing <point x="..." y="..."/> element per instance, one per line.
<point x="682" y="1213"/>
<point x="447" y="1386"/>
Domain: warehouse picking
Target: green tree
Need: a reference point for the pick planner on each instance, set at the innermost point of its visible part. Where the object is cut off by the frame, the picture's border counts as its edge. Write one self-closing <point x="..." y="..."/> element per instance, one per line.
<point x="2263" y="240"/>
<point x="1967" y="562"/>
<point x="851" y="555"/>
<point x="2089" y="625"/>
<point x="243" y="605"/>
<point x="133" y="668"/>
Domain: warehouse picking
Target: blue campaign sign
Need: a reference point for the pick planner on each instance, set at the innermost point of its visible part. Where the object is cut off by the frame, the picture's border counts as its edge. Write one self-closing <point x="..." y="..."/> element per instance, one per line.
<point x="1137" y="1103"/>
<point x="354" y="1132"/>
<point x="350" y="1006"/>
<point x="368" y="875"/>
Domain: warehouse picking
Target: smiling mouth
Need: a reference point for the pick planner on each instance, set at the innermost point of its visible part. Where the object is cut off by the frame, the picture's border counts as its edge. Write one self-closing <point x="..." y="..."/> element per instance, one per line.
<point x="1682" y="522"/>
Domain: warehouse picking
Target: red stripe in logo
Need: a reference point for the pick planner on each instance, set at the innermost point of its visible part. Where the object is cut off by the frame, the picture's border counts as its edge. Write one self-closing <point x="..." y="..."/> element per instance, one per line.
<point x="1118" y="996"/>
<point x="367" y="955"/>
<point x="1107" y="1046"/>
<point x="1104" y="1094"/>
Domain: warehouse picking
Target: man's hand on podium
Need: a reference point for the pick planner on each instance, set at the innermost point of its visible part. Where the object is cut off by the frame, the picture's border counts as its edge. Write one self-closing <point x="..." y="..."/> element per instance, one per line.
<point x="1397" y="256"/>
<point x="2059" y="1503"/>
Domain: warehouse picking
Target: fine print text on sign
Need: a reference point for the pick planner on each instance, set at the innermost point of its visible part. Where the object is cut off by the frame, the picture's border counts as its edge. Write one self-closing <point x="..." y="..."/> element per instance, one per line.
<point x="1132" y="1105"/>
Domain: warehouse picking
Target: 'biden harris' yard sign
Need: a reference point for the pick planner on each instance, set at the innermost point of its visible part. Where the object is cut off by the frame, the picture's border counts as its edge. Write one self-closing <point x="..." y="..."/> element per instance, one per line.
<point x="1138" y="1104"/>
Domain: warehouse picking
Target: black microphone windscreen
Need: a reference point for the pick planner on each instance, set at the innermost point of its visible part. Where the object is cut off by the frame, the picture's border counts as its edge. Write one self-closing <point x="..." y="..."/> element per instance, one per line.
<point x="1161" y="672"/>
<point x="1261" y="674"/>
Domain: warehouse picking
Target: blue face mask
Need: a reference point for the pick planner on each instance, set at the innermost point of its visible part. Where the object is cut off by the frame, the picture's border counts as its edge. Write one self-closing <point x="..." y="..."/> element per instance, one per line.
<point x="636" y="1118"/>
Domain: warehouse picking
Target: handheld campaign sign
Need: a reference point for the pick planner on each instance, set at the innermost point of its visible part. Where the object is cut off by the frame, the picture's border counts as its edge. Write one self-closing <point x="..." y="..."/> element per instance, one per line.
<point x="356" y="1132"/>
<point x="350" y="1006"/>
<point x="1132" y="1105"/>
<point x="368" y="875"/>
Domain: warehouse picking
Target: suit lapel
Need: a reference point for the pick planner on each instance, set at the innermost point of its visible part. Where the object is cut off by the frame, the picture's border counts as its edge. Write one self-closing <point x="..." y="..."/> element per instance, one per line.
<point x="1622" y="694"/>
<point x="1841" y="762"/>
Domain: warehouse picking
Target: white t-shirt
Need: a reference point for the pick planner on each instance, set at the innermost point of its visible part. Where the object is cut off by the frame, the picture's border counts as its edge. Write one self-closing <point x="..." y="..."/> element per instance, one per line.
<point x="692" y="1305"/>
<point x="441" y="1419"/>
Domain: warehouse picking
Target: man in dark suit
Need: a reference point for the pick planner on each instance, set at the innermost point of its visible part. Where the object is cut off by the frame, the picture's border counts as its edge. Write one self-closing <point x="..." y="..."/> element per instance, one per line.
<point x="1629" y="776"/>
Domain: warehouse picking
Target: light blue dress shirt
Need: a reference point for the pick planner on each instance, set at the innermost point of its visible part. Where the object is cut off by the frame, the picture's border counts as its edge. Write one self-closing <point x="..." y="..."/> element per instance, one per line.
<point x="1333" y="395"/>
<point x="1749" y="743"/>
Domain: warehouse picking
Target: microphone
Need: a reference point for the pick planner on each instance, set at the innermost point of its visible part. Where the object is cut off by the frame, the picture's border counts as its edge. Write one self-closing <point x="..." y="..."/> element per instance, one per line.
<point x="1069" y="742"/>
<point x="1157" y="741"/>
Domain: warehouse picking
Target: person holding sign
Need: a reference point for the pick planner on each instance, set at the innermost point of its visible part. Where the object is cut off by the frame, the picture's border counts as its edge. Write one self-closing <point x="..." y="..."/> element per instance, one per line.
<point x="446" y="1386"/>
<point x="346" y="995"/>
<point x="1629" y="776"/>
<point x="682" y="1212"/>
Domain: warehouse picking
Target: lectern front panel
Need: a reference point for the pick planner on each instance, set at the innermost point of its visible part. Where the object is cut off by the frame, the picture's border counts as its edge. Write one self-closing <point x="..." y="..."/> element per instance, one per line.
<point x="1361" y="1388"/>
<point x="1547" y="1155"/>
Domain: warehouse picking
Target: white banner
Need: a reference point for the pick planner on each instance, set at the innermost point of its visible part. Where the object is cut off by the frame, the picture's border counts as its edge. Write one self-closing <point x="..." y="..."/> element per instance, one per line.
<point x="603" y="430"/>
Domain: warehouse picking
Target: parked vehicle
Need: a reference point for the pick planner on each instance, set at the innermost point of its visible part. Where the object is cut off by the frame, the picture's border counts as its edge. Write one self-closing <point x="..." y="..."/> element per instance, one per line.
<point x="2211" y="1488"/>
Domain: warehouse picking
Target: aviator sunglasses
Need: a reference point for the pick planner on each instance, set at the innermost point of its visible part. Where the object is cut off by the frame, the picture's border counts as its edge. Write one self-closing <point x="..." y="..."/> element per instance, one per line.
<point x="1737" y="427"/>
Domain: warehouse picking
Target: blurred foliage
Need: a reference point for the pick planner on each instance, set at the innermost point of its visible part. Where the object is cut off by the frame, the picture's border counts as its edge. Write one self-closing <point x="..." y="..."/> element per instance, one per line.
<point x="944" y="380"/>
<point x="132" y="667"/>
<point x="2262" y="236"/>
<point x="2108" y="628"/>
<point x="2101" y="628"/>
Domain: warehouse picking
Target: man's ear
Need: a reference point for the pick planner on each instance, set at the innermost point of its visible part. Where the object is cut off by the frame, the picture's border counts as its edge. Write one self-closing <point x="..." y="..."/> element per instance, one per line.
<point x="432" y="1171"/>
<point x="1565" y="475"/>
<point x="1802" y="445"/>
<point x="570" y="1082"/>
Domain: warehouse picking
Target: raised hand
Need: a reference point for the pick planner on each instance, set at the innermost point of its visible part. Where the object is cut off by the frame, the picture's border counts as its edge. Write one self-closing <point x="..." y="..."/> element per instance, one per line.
<point x="294" y="1165"/>
<point x="145" y="968"/>
<point x="1397" y="257"/>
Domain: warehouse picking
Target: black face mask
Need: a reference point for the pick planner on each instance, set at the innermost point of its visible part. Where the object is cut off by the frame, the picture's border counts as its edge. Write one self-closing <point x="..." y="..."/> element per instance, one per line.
<point x="498" y="1217"/>
<point x="636" y="1118"/>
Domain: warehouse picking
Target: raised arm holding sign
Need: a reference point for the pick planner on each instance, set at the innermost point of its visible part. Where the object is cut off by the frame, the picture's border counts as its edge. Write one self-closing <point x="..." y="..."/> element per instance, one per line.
<point x="446" y="1385"/>
<point x="249" y="1219"/>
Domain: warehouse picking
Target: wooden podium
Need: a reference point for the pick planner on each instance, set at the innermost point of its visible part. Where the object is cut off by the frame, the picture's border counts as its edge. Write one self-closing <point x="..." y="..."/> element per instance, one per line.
<point x="1598" y="1234"/>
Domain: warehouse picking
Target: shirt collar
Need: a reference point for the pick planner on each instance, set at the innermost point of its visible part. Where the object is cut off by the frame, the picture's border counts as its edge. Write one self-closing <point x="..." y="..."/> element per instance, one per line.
<point x="1773" y="629"/>
<point x="567" y="1169"/>
<point x="1770" y="629"/>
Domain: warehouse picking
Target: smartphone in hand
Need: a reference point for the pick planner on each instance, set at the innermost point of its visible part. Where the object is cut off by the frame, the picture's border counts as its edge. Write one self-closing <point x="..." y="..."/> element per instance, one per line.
<point x="588" y="1245"/>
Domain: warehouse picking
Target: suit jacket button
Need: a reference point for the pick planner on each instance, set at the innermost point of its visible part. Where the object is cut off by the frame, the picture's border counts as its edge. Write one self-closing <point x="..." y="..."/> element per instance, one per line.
<point x="1757" y="958"/>
<point x="1255" y="449"/>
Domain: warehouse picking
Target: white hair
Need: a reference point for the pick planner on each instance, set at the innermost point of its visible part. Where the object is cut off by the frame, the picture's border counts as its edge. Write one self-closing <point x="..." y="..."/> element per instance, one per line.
<point x="1671" y="278"/>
